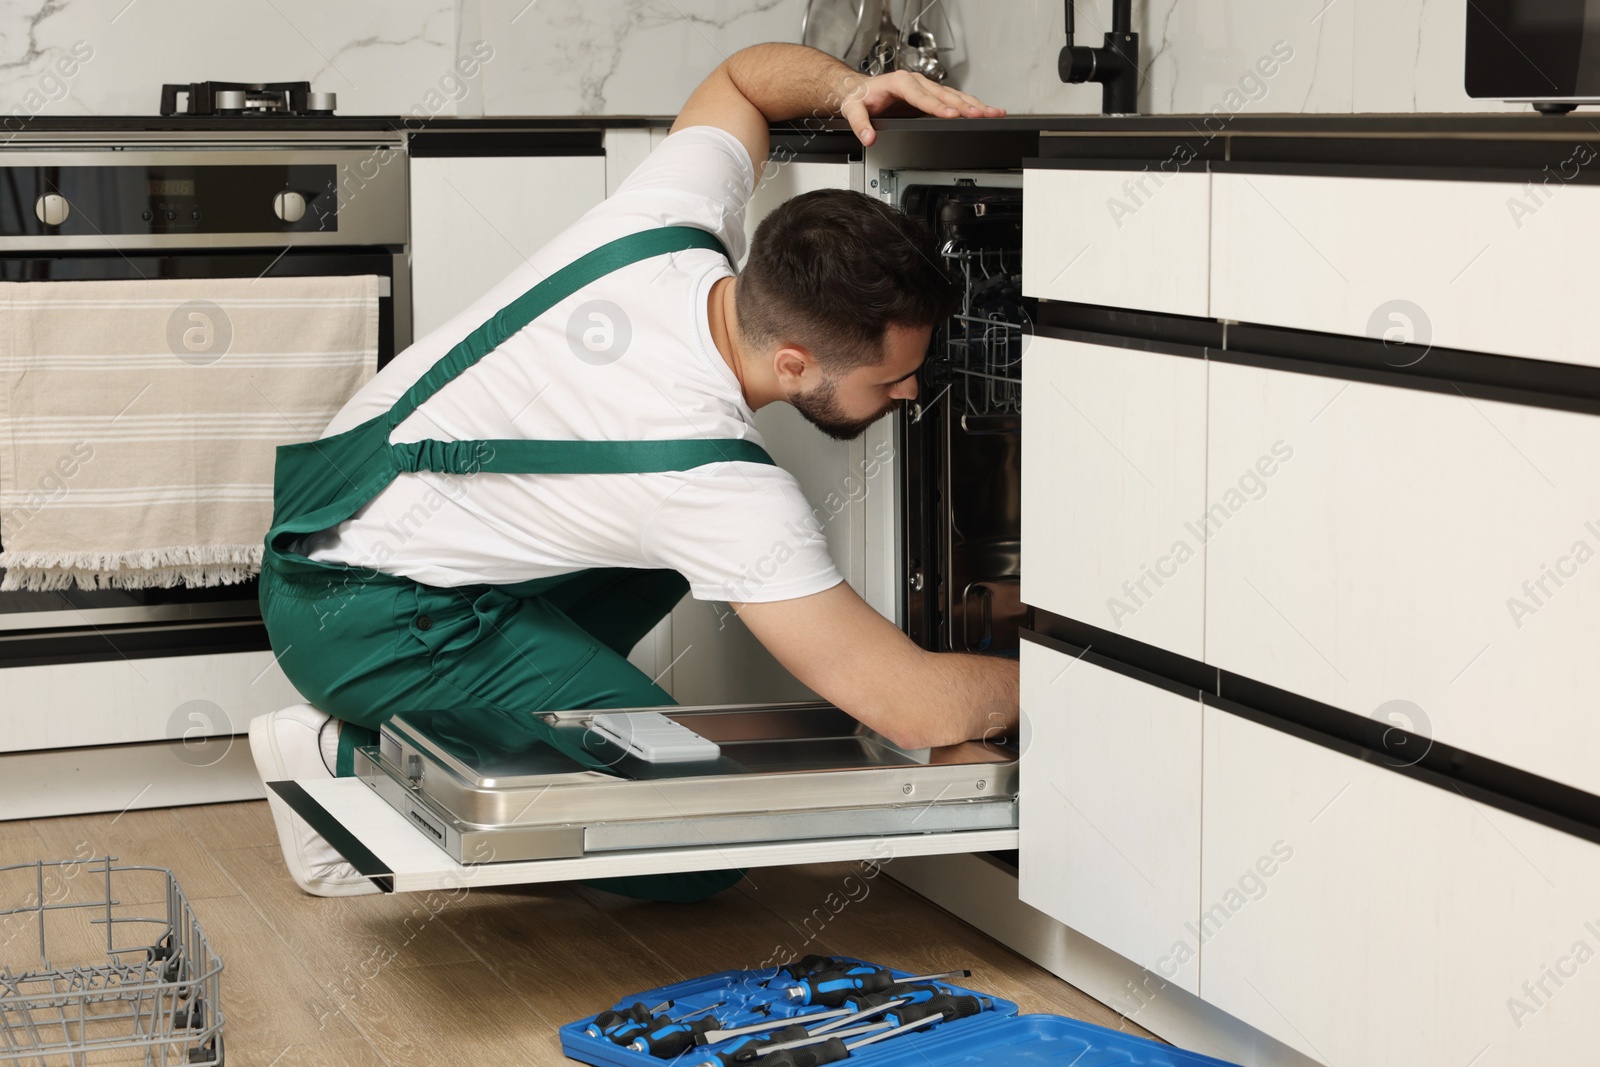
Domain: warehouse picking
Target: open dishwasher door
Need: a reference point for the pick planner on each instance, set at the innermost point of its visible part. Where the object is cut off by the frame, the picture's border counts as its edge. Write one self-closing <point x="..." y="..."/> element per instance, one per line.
<point x="770" y="784"/>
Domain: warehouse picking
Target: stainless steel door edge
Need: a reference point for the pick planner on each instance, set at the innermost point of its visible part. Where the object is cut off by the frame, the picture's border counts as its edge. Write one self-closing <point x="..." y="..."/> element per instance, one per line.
<point x="598" y="798"/>
<point x="802" y="826"/>
<point x="475" y="844"/>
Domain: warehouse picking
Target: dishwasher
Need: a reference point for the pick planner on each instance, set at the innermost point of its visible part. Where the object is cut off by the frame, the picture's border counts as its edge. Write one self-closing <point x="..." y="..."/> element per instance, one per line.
<point x="702" y="787"/>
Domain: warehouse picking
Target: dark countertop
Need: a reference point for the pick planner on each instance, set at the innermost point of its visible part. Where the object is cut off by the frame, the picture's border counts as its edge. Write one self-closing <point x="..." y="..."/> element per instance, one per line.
<point x="1581" y="123"/>
<point x="257" y="123"/>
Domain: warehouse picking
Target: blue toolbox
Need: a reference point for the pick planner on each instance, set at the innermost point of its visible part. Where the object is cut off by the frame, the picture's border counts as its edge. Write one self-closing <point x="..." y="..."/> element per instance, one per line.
<point x="840" y="1009"/>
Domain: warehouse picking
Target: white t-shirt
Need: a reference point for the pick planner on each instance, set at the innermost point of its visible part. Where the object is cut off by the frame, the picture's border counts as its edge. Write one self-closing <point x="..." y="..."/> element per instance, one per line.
<point x="737" y="531"/>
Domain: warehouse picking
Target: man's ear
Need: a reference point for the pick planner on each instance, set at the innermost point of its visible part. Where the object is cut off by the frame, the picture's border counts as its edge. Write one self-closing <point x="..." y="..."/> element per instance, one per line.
<point x="796" y="370"/>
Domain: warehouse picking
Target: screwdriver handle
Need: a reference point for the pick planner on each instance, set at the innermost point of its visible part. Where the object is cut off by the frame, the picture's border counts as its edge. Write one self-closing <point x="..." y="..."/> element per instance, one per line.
<point x="636" y="1012"/>
<point x="945" y="1004"/>
<point x="832" y="988"/>
<point x="672" y="1038"/>
<point x="807" y="966"/>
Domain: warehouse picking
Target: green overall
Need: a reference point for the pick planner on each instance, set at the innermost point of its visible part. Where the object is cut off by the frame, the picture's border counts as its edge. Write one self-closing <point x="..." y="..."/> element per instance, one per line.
<point x="478" y="660"/>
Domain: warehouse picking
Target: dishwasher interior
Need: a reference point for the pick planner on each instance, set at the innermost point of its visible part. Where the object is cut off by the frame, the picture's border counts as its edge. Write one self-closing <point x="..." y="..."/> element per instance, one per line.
<point x="962" y="439"/>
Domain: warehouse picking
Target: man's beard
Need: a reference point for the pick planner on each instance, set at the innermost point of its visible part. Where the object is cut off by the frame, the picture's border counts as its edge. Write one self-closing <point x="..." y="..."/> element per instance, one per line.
<point x="820" y="407"/>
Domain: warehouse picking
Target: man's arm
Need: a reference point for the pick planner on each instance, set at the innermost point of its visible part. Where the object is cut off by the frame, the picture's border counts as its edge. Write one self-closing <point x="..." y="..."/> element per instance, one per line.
<point x="855" y="658"/>
<point x="768" y="83"/>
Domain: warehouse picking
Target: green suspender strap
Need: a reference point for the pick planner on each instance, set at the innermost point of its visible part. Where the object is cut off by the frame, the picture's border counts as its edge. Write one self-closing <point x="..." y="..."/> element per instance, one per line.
<point x="319" y="484"/>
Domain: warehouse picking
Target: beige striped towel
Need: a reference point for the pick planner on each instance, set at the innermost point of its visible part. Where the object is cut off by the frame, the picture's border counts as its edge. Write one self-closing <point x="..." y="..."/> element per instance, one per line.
<point x="138" y="419"/>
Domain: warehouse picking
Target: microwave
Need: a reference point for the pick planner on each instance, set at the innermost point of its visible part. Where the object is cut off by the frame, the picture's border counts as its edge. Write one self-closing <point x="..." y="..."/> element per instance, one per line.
<point x="1543" y="52"/>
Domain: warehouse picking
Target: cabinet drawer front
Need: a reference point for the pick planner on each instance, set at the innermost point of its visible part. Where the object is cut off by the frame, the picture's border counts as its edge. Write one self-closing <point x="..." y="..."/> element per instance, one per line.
<point x="1123" y="238"/>
<point x="1113" y="475"/>
<point x="1417" y="547"/>
<point x="1454" y="263"/>
<point x="1110" y="816"/>
<point x="1366" y="918"/>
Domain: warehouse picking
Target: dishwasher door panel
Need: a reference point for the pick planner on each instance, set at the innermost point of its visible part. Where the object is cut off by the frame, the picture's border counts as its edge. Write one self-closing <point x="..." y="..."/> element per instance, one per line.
<point x="792" y="783"/>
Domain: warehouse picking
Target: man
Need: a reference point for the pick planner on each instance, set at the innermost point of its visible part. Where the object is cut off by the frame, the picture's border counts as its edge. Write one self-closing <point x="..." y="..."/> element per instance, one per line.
<point x="489" y="526"/>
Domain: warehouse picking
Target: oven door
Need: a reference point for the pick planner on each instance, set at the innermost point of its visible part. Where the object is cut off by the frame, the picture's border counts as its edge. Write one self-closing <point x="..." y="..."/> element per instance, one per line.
<point x="79" y="625"/>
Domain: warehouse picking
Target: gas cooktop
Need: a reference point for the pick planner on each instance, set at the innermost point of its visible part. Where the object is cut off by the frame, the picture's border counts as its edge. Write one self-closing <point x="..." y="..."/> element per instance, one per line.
<point x="267" y="99"/>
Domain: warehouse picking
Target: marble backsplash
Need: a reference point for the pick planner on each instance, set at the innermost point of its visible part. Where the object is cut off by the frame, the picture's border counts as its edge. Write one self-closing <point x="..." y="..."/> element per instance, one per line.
<point x="558" y="57"/>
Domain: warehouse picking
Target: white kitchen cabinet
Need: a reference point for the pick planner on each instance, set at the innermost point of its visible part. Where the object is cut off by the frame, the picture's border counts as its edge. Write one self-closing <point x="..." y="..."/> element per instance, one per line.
<point x="1366" y="918"/>
<point x="1110" y="810"/>
<point x="475" y="219"/>
<point x="1113" y="477"/>
<point x="1413" y="546"/>
<point x="1479" y="265"/>
<point x="1124" y="238"/>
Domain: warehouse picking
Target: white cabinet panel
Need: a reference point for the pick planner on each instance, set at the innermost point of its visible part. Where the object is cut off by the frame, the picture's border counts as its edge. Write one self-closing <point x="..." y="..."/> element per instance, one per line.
<point x="1113" y="483"/>
<point x="475" y="220"/>
<point x="1365" y="918"/>
<point x="1417" y="547"/>
<point x="127" y="701"/>
<point x="1110" y="817"/>
<point x="1487" y="266"/>
<point x="1123" y="238"/>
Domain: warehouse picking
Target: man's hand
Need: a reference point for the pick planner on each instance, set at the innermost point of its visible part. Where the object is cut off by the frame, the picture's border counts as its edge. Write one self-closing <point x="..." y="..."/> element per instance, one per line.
<point x="855" y="658"/>
<point x="769" y="83"/>
<point x="873" y="96"/>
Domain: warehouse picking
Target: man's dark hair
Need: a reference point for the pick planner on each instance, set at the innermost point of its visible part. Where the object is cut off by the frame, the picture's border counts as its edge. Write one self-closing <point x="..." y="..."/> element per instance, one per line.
<point x="832" y="270"/>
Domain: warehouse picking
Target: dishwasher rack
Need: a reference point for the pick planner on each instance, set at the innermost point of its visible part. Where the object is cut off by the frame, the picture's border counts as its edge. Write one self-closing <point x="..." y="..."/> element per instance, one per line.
<point x="108" y="979"/>
<point x="982" y="356"/>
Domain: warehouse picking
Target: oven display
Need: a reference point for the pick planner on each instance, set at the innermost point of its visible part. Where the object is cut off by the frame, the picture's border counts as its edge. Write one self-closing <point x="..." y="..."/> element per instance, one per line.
<point x="171" y="186"/>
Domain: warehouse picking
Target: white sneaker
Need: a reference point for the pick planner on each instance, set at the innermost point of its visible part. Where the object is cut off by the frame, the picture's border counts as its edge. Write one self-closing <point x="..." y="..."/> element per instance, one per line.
<point x="288" y="746"/>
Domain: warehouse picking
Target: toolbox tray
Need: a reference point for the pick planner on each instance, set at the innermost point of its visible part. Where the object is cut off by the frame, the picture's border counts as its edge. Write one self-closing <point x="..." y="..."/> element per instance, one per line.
<point x="998" y="1036"/>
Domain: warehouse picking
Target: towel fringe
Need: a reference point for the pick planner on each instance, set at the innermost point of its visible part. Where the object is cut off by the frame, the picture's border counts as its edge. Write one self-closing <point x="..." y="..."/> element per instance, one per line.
<point x="153" y="568"/>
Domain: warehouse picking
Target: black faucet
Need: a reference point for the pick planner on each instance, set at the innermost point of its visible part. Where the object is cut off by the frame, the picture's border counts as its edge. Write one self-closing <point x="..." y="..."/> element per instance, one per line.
<point x="1115" y="65"/>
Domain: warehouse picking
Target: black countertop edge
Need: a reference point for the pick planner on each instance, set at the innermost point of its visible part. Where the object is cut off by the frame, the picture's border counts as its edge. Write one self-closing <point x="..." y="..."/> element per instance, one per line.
<point x="1464" y="124"/>
<point x="413" y="123"/>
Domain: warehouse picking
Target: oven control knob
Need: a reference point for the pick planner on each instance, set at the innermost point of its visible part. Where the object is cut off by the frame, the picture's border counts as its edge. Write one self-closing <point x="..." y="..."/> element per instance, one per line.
<point x="289" y="206"/>
<point x="52" y="209"/>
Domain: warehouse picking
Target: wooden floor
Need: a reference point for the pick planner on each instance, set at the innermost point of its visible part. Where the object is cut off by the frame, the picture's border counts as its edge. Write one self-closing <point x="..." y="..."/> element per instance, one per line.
<point x="420" y="980"/>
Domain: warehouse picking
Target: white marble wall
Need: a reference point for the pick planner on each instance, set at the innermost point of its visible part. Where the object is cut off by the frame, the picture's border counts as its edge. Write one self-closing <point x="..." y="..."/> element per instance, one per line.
<point x="561" y="57"/>
<point x="379" y="57"/>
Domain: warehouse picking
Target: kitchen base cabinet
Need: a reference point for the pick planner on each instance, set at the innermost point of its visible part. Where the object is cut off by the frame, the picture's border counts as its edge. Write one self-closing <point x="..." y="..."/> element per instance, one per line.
<point x="1369" y="919"/>
<point x="1489" y="266"/>
<point x="1113" y="479"/>
<point x="1095" y="235"/>
<point x="1110" y="809"/>
<point x="1414" y="547"/>
<point x="475" y="219"/>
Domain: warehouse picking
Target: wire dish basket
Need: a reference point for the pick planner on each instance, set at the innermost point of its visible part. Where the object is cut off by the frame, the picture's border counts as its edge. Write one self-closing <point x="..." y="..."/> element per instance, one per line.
<point x="983" y="340"/>
<point x="101" y="963"/>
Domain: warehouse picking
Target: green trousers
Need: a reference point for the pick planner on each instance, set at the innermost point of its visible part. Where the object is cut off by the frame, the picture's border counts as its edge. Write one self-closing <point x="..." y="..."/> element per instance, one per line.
<point x="478" y="660"/>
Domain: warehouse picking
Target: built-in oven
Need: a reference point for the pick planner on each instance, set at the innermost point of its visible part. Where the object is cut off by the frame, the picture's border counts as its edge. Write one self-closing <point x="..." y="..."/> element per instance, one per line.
<point x="166" y="205"/>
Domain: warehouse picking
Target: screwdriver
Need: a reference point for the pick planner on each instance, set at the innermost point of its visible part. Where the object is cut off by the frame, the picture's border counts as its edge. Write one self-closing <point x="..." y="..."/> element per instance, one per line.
<point x="873" y="1003"/>
<point x="856" y="1007"/>
<point x="832" y="1048"/>
<point x="607" y="1021"/>
<point x="711" y="1037"/>
<point x="832" y="988"/>
<point x="672" y="1036"/>
<point x="748" y="1051"/>
<point x="899" y="1018"/>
